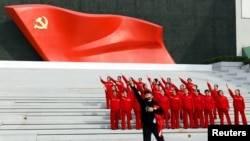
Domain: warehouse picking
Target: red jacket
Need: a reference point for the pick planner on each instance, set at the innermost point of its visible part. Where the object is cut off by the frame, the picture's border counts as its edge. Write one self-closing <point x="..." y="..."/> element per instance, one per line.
<point x="198" y="102"/>
<point x="164" y="102"/>
<point x="108" y="86"/>
<point x="214" y="94"/>
<point x="172" y="86"/>
<point x="187" y="102"/>
<point x="238" y="100"/>
<point x="139" y="85"/>
<point x="120" y="84"/>
<point x="175" y="102"/>
<point x="115" y="104"/>
<point x="208" y="102"/>
<point x="189" y="86"/>
<point x="126" y="104"/>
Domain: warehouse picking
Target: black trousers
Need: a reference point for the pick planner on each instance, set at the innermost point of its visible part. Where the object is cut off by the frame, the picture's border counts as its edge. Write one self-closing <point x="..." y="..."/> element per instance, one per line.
<point x="148" y="130"/>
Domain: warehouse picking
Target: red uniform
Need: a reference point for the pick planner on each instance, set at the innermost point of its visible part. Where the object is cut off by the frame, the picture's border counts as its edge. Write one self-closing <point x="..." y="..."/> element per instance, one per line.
<point x="239" y="107"/>
<point x="168" y="81"/>
<point x="167" y="88"/>
<point x="165" y="104"/>
<point x="137" y="112"/>
<point x="223" y="107"/>
<point x="154" y="83"/>
<point x="198" y="110"/>
<point x="175" y="108"/>
<point x="115" y="111"/>
<point x="208" y="108"/>
<point x="139" y="85"/>
<point x="119" y="83"/>
<point x="214" y="93"/>
<point x="126" y="109"/>
<point x="108" y="90"/>
<point x="189" y="85"/>
<point x="188" y="109"/>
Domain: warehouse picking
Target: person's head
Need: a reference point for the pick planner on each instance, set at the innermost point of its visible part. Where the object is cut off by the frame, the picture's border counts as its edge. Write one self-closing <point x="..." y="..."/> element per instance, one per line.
<point x="169" y="80"/>
<point x="195" y="86"/>
<point x="182" y="86"/>
<point x="189" y="80"/>
<point x="174" y="92"/>
<point x="108" y="78"/>
<point x="156" y="80"/>
<point x="140" y="79"/>
<point x="162" y="92"/>
<point x="157" y="86"/>
<point x="119" y="78"/>
<point x="148" y="96"/>
<point x="216" y="86"/>
<point x="196" y="92"/>
<point x="237" y="91"/>
<point x="114" y="87"/>
<point x="167" y="85"/>
<point x="207" y="92"/>
<point x="220" y="93"/>
<point x="125" y="93"/>
<point x="115" y="93"/>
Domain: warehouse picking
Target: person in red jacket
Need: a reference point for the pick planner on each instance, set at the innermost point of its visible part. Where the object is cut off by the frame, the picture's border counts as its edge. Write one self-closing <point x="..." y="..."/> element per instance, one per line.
<point x="189" y="84"/>
<point x="223" y="107"/>
<point x="153" y="83"/>
<point x="126" y="109"/>
<point x="115" y="110"/>
<point x="239" y="106"/>
<point x="208" y="108"/>
<point x="180" y="92"/>
<point x="214" y="92"/>
<point x="167" y="88"/>
<point x="199" y="120"/>
<point x="139" y="84"/>
<point x="156" y="90"/>
<point x="137" y="112"/>
<point x="119" y="83"/>
<point x="165" y="104"/>
<point x="108" y="84"/>
<point x="169" y="82"/>
<point x="188" y="109"/>
<point x="175" y="108"/>
<point x="135" y="104"/>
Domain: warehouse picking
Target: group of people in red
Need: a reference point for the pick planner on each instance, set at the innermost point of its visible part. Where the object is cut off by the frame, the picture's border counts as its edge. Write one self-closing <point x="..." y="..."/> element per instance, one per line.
<point x="186" y="102"/>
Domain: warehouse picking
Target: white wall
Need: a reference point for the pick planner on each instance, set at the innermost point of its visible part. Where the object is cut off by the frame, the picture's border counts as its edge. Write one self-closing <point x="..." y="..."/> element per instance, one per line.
<point x="242" y="25"/>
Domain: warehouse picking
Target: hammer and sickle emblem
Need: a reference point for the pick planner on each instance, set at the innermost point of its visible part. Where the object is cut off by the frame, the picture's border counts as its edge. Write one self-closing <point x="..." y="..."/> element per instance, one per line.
<point x="41" y="23"/>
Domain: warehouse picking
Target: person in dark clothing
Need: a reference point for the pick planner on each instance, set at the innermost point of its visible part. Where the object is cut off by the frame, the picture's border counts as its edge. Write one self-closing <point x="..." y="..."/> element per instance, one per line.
<point x="151" y="115"/>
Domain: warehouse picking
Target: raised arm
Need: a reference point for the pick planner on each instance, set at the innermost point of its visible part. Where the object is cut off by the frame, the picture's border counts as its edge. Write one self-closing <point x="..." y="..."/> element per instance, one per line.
<point x="136" y="93"/>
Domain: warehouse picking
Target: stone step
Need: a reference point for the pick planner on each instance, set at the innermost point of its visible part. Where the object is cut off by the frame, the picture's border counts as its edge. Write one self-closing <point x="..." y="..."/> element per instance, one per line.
<point x="99" y="135"/>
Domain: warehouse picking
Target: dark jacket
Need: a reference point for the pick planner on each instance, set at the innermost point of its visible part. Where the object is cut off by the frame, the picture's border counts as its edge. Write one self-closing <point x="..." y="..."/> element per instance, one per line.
<point x="147" y="117"/>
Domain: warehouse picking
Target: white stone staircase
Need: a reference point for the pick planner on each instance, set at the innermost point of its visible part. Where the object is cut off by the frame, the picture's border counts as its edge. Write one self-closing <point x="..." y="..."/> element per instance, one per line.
<point x="56" y="101"/>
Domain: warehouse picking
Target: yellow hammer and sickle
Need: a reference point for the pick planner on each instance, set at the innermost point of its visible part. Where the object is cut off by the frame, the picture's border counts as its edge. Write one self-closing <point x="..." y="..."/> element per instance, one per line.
<point x="40" y="24"/>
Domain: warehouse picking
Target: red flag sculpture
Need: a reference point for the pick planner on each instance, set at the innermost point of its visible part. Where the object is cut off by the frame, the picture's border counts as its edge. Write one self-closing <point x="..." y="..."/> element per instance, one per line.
<point x="59" y="34"/>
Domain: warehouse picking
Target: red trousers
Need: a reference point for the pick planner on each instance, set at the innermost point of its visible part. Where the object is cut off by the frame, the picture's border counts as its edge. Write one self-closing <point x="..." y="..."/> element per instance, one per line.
<point x="175" y="116"/>
<point x="126" y="118"/>
<point x="199" y="120"/>
<point x="166" y="118"/>
<point x="236" y="117"/>
<point x="188" y="118"/>
<point x="114" y="119"/>
<point x="209" y="118"/>
<point x="222" y="113"/>
<point x="138" y="124"/>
